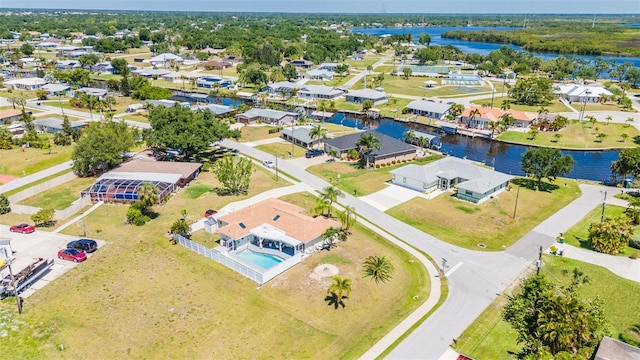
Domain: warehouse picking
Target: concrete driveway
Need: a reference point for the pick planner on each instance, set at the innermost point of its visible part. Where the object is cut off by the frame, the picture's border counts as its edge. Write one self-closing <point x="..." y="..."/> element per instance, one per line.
<point x="393" y="195"/>
<point x="40" y="244"/>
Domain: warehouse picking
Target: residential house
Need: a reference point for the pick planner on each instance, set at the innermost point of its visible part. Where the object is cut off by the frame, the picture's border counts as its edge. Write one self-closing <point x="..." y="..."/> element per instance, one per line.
<point x="299" y="135"/>
<point x="268" y="116"/>
<point x="180" y="76"/>
<point x="54" y="125"/>
<point x="272" y="226"/>
<point x="8" y="116"/>
<point x="581" y="93"/>
<point x="152" y="73"/>
<point x="165" y="59"/>
<point x="474" y="183"/>
<point x="215" y="65"/>
<point x="320" y="74"/>
<point x="29" y="62"/>
<point x="56" y="89"/>
<point x="103" y="67"/>
<point x="430" y="109"/>
<point x="390" y="149"/>
<point x="33" y="83"/>
<point x="523" y="119"/>
<point x="329" y="66"/>
<point x="360" y="96"/>
<point x="215" y="108"/>
<point x="209" y="82"/>
<point x="320" y="92"/>
<point x="101" y="93"/>
<point x="301" y="63"/>
<point x="232" y="59"/>
<point x="479" y="117"/>
<point x="282" y="87"/>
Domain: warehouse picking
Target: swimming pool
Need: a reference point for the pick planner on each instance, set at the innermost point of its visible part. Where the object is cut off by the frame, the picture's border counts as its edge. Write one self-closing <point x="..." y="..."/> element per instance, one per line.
<point x="264" y="261"/>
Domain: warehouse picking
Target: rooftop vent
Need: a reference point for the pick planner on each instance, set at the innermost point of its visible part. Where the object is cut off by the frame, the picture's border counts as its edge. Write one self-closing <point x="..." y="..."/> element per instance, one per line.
<point x="275" y="218"/>
<point x="242" y="225"/>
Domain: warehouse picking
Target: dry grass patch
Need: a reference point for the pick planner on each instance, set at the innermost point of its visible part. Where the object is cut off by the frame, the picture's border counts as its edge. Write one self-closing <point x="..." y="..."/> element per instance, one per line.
<point x="59" y="197"/>
<point x="466" y="224"/>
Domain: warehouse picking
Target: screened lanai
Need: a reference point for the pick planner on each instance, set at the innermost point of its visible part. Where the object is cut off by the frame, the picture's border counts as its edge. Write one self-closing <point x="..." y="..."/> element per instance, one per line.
<point x="123" y="186"/>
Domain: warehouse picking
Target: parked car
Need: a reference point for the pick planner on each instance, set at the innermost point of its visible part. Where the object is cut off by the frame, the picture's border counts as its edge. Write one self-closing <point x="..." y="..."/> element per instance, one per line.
<point x="268" y="163"/>
<point x="86" y="245"/>
<point x="72" y="255"/>
<point x="210" y="212"/>
<point x="23" y="228"/>
<point x="313" y="153"/>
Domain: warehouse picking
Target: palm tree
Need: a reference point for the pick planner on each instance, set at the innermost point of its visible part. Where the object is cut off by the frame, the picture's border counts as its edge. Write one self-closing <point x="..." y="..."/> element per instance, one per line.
<point x="347" y="217"/>
<point x="601" y="136"/>
<point x="147" y="194"/>
<point x="629" y="120"/>
<point x="109" y="101"/>
<point x="322" y="107"/>
<point x="608" y="118"/>
<point x="493" y="126"/>
<point x="379" y="269"/>
<point x="330" y="194"/>
<point x="592" y="120"/>
<point x="624" y="137"/>
<point x="506" y="120"/>
<point x="366" y="144"/>
<point x="90" y="101"/>
<point x="19" y="100"/>
<point x="456" y="109"/>
<point x="506" y="105"/>
<point x="320" y="206"/>
<point x="557" y="137"/>
<point x="318" y="132"/>
<point x="409" y="136"/>
<point x="533" y="132"/>
<point x="340" y="287"/>
<point x="472" y="115"/>
<point x="542" y="111"/>
<point x="330" y="236"/>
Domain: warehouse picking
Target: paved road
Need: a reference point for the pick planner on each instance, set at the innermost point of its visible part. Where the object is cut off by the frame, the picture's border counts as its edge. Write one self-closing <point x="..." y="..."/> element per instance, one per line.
<point x="82" y="114"/>
<point x="358" y="77"/>
<point x="475" y="278"/>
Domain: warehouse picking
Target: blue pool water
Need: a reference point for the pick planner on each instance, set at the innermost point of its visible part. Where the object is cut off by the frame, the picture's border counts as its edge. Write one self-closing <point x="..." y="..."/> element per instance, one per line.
<point x="264" y="261"/>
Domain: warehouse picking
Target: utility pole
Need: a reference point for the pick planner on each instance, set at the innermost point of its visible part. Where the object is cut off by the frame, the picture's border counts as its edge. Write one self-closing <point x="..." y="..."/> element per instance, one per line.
<point x="539" y="261"/>
<point x="277" y="167"/>
<point x="604" y="205"/>
<point x="515" y="207"/>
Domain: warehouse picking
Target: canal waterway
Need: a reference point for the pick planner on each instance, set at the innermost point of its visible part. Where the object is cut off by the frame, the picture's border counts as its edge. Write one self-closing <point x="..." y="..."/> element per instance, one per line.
<point x="471" y="47"/>
<point x="589" y="165"/>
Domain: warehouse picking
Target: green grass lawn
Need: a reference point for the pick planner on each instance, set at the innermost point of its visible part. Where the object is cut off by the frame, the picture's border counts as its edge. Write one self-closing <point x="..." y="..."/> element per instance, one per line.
<point x="59" y="197"/>
<point x="336" y="81"/>
<point x="282" y="150"/>
<point x="578" y="235"/>
<point x="555" y="106"/>
<point x="32" y="160"/>
<point x="491" y="223"/>
<point x="578" y="136"/>
<point x="257" y="132"/>
<point x="489" y="337"/>
<point x="364" y="63"/>
<point x="352" y="178"/>
<point x="178" y="302"/>
<point x="415" y="86"/>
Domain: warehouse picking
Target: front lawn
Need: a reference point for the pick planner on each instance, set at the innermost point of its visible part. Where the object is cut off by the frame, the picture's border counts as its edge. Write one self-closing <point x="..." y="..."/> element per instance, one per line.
<point x="353" y="178"/>
<point x="491" y="223"/>
<point x="578" y="136"/>
<point x="61" y="196"/>
<point x="578" y="235"/>
<point x="146" y="297"/>
<point x="257" y="132"/>
<point x="489" y="337"/>
<point x="21" y="162"/>
<point x="282" y="150"/>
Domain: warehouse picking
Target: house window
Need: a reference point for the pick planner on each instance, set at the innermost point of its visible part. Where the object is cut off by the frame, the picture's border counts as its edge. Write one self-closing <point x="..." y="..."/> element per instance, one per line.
<point x="404" y="180"/>
<point x="467" y="192"/>
<point x="393" y="177"/>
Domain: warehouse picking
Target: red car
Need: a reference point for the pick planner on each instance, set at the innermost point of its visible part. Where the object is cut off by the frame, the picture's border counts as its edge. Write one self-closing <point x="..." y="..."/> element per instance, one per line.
<point x="210" y="213"/>
<point x="72" y="255"/>
<point x="23" y="228"/>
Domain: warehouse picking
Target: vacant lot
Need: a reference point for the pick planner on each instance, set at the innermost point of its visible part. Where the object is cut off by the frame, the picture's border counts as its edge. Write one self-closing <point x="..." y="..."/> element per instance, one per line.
<point x="147" y="298"/>
<point x="349" y="177"/>
<point x="282" y="150"/>
<point x="59" y="197"/>
<point x="554" y="106"/>
<point x="489" y="337"/>
<point x="579" y="136"/>
<point x="31" y="160"/>
<point x="415" y="86"/>
<point x="466" y="224"/>
<point x="257" y="132"/>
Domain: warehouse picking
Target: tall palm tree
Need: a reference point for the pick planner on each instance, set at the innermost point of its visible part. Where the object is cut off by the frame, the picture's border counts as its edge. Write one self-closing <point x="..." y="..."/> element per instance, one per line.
<point x="628" y="121"/>
<point x="493" y="126"/>
<point x="147" y="194"/>
<point x="506" y="105"/>
<point x="340" y="287"/>
<point x="379" y="269"/>
<point x="409" y="135"/>
<point x="608" y="118"/>
<point x="322" y="107"/>
<point x="320" y="206"/>
<point x="330" y="194"/>
<point x="318" y="132"/>
<point x="110" y="101"/>
<point x="472" y="115"/>
<point x="456" y="109"/>
<point x="90" y="101"/>
<point x="506" y="120"/>
<point x="347" y="217"/>
<point x="366" y="144"/>
<point x="330" y="235"/>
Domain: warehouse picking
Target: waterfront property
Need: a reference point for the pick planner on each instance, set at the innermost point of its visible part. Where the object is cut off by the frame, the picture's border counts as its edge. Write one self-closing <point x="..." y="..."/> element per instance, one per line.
<point x="581" y="93"/>
<point x="480" y="117"/>
<point x="320" y="92"/>
<point x="282" y="87"/>
<point x="390" y="149"/>
<point x="209" y="82"/>
<point x="473" y="183"/>
<point x="360" y="96"/>
<point x="268" y="116"/>
<point x="215" y="108"/>
<point x="122" y="183"/>
<point x="151" y="72"/>
<point x="8" y="116"/>
<point x="430" y="109"/>
<point x="299" y="135"/>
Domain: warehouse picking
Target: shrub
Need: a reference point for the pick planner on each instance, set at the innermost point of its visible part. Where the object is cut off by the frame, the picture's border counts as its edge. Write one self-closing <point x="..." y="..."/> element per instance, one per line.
<point x="136" y="217"/>
<point x="377" y="166"/>
<point x="5" y="206"/>
<point x="631" y="340"/>
<point x="634" y="243"/>
<point x="633" y="256"/>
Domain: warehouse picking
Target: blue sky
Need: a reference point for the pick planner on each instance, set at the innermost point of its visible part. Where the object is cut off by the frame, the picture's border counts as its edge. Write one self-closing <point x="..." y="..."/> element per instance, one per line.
<point x="347" y="6"/>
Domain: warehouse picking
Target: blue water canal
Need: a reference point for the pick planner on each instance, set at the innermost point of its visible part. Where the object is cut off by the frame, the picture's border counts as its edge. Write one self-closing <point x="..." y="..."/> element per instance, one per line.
<point x="469" y="47"/>
<point x="589" y="165"/>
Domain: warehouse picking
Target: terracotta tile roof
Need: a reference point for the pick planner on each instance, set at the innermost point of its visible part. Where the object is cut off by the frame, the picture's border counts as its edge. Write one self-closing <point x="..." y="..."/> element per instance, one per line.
<point x="185" y="169"/>
<point x="485" y="113"/>
<point x="9" y="113"/>
<point x="521" y="115"/>
<point x="277" y="213"/>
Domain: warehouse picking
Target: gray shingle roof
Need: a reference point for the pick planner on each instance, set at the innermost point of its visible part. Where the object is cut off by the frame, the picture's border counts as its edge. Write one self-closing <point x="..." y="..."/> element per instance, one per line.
<point x="388" y="145"/>
<point x="478" y="179"/>
<point x="430" y="106"/>
<point x="612" y="349"/>
<point x="367" y="94"/>
<point x="320" y="90"/>
<point x="267" y="113"/>
<point x="300" y="133"/>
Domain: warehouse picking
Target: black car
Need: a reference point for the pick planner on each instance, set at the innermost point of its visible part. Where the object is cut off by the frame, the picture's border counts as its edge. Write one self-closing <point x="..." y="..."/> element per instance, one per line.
<point x="313" y="153"/>
<point x="85" y="245"/>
